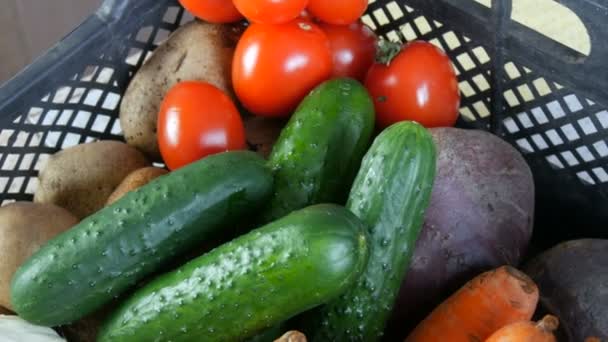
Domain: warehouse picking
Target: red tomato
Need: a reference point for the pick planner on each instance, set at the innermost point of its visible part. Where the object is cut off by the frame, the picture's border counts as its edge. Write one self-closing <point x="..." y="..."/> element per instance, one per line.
<point x="419" y="84"/>
<point x="338" y="12"/>
<point x="276" y="66"/>
<point x="213" y="11"/>
<point x="353" y="48"/>
<point x="197" y="119"/>
<point x="270" y="11"/>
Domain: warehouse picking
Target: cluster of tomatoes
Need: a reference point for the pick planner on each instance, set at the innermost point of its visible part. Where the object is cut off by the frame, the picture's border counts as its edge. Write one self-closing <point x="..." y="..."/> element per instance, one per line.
<point x="289" y="48"/>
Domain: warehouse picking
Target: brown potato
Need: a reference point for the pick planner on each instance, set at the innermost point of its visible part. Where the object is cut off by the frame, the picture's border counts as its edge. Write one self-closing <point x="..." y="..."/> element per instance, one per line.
<point x="262" y="133"/>
<point x="5" y="311"/>
<point x="292" y="336"/>
<point x="81" y="178"/>
<point x="24" y="228"/>
<point x="197" y="51"/>
<point x="87" y="328"/>
<point x="135" y="180"/>
<point x="84" y="330"/>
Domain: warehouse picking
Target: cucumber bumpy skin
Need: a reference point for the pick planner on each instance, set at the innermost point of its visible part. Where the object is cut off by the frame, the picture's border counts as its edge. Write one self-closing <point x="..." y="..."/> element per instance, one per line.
<point x="390" y="194"/>
<point x="319" y="152"/>
<point x="254" y="282"/>
<point x="96" y="261"/>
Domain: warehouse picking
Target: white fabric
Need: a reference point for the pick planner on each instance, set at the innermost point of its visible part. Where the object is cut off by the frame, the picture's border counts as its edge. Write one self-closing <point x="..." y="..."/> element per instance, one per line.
<point x="15" y="329"/>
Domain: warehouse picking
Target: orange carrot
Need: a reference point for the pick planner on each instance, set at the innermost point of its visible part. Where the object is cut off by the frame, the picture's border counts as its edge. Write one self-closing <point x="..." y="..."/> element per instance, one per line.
<point x="485" y="304"/>
<point x="527" y="331"/>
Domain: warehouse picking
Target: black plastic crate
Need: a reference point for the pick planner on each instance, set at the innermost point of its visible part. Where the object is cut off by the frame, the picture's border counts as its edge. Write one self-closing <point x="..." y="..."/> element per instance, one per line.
<point x="547" y="99"/>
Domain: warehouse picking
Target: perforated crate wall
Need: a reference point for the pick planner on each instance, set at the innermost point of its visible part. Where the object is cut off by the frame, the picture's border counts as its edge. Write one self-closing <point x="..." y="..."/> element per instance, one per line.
<point x="541" y="96"/>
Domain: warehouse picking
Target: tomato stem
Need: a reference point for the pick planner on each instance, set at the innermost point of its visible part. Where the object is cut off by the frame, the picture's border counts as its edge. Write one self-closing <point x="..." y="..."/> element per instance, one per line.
<point x="387" y="50"/>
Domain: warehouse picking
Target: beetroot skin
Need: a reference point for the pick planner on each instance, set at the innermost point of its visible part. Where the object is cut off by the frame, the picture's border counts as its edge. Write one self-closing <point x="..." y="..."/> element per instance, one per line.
<point x="573" y="282"/>
<point x="480" y="218"/>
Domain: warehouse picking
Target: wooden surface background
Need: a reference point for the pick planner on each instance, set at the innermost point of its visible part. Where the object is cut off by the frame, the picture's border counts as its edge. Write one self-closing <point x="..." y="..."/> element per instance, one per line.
<point x="29" y="27"/>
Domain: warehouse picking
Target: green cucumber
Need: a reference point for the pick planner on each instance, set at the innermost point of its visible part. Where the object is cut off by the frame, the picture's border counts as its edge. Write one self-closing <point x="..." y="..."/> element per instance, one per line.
<point x="319" y="152"/>
<point x="86" y="267"/>
<point x="390" y="194"/>
<point x="254" y="282"/>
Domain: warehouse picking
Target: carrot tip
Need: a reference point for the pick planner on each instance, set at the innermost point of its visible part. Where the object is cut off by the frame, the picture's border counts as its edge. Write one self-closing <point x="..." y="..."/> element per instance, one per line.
<point x="528" y="284"/>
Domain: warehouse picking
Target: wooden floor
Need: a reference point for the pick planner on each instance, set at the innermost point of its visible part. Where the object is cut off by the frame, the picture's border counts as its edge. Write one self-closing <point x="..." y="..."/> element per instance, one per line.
<point x="28" y="27"/>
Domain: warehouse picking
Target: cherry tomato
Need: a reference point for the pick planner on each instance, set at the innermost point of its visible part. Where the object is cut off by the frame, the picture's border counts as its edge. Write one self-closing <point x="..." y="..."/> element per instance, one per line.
<point x="337" y="12"/>
<point x="419" y="84"/>
<point x="353" y="48"/>
<point x="270" y="11"/>
<point x="213" y="11"/>
<point x="197" y="119"/>
<point x="276" y="66"/>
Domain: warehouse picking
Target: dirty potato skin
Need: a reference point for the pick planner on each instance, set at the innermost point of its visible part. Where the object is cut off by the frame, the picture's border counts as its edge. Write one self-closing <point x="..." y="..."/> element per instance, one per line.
<point x="292" y="336"/>
<point x="135" y="180"/>
<point x="24" y="228"/>
<point x="197" y="51"/>
<point x="81" y="178"/>
<point x="262" y="133"/>
<point x="480" y="217"/>
<point x="84" y="330"/>
<point x="87" y="328"/>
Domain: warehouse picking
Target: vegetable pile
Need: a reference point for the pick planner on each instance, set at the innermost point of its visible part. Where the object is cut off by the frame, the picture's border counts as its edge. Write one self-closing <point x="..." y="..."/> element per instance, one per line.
<point x="363" y="216"/>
